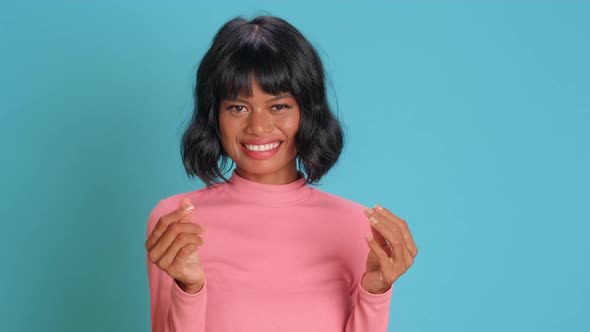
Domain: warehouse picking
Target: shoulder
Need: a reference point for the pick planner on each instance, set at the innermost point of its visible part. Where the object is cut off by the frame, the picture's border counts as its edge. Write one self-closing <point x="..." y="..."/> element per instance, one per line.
<point x="198" y="196"/>
<point x="168" y="204"/>
<point x="348" y="215"/>
<point x="340" y="203"/>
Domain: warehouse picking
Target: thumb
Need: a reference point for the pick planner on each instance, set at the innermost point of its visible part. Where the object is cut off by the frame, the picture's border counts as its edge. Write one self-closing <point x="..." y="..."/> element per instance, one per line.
<point x="376" y="234"/>
<point x="185" y="202"/>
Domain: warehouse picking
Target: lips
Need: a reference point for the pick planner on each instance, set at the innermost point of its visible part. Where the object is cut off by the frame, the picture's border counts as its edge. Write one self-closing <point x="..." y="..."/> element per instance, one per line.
<point x="261" y="154"/>
<point x="261" y="141"/>
<point x="244" y="144"/>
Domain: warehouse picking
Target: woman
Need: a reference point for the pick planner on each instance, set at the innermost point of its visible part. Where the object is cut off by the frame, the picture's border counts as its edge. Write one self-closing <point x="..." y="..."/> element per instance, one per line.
<point x="263" y="250"/>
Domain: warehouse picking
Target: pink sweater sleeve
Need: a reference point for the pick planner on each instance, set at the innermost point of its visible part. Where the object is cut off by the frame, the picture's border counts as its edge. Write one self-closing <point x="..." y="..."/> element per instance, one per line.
<point x="172" y="309"/>
<point x="370" y="311"/>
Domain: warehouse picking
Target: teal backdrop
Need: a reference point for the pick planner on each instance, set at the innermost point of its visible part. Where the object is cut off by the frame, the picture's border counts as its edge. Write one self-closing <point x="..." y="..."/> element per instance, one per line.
<point x="469" y="120"/>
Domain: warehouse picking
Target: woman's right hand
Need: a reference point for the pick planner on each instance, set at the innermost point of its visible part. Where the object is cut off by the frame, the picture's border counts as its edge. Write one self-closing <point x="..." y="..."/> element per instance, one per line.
<point x="173" y="246"/>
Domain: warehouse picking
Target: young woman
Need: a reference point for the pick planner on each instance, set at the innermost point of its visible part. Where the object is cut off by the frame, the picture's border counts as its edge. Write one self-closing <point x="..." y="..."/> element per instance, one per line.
<point x="263" y="250"/>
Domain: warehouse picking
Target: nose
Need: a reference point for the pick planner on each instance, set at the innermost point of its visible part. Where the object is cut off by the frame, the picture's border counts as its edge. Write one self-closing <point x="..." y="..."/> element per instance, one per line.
<point x="259" y="123"/>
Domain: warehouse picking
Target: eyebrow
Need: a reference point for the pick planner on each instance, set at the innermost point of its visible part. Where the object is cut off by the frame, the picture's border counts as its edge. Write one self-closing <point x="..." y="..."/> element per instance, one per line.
<point x="271" y="99"/>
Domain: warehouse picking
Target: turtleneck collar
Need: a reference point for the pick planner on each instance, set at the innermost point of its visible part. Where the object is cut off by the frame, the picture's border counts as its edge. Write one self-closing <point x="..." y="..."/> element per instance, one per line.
<point x="268" y="194"/>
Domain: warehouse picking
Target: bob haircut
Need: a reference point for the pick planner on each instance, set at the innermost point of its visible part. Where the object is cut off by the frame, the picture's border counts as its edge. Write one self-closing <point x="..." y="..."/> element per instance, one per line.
<point x="280" y="58"/>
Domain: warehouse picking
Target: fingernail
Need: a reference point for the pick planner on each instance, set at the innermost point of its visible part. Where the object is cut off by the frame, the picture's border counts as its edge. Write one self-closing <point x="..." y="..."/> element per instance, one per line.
<point x="374" y="220"/>
<point x="188" y="208"/>
<point x="369" y="237"/>
<point x="378" y="207"/>
<point x="368" y="211"/>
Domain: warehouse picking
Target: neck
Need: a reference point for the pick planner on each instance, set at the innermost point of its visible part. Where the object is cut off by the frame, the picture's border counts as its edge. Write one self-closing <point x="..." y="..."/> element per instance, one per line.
<point x="284" y="176"/>
<point x="263" y="194"/>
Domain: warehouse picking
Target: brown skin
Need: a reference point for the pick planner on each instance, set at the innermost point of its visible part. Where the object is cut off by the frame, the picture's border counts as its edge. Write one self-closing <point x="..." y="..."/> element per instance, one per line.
<point x="259" y="117"/>
<point x="173" y="247"/>
<point x="173" y="244"/>
<point x="386" y="263"/>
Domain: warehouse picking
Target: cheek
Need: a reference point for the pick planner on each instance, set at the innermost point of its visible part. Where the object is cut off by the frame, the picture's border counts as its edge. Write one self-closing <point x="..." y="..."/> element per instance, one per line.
<point x="291" y="125"/>
<point x="227" y="125"/>
<point x="227" y="131"/>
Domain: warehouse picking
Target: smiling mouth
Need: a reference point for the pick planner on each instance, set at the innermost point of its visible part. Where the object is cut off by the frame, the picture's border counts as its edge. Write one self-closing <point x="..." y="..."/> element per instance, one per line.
<point x="244" y="145"/>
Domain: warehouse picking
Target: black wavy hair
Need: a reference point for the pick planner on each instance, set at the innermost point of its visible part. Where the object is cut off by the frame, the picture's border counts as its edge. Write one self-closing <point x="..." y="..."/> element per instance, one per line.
<point x="281" y="59"/>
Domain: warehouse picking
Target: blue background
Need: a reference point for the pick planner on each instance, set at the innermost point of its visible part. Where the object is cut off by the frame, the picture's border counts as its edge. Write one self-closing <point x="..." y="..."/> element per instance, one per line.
<point x="470" y="121"/>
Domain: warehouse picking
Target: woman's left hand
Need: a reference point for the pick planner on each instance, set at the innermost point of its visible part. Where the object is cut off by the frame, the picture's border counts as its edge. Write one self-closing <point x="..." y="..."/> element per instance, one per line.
<point x="392" y="250"/>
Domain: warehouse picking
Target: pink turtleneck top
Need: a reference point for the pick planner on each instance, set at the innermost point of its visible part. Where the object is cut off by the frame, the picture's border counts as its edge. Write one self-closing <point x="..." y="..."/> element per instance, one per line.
<point x="276" y="257"/>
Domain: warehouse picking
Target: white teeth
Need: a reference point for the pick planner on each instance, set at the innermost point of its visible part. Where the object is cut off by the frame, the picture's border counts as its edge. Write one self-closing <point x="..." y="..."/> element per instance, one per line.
<point x="264" y="147"/>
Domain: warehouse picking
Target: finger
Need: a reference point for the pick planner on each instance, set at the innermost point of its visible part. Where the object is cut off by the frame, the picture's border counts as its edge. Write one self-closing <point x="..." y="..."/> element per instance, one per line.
<point x="376" y="228"/>
<point x="387" y="230"/>
<point x="379" y="236"/>
<point x="387" y="248"/>
<point x="402" y="224"/>
<point x="379" y="219"/>
<point x="180" y="260"/>
<point x="386" y="263"/>
<point x="182" y="211"/>
<point x="181" y="240"/>
<point x="406" y="255"/>
<point x="381" y="240"/>
<point x="169" y="235"/>
<point x="409" y="259"/>
<point x="397" y="244"/>
<point x="400" y="253"/>
<point x="397" y="235"/>
<point x="404" y="227"/>
<point x="184" y="204"/>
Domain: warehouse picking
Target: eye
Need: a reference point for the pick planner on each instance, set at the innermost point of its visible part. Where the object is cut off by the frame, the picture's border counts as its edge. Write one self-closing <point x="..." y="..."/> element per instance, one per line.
<point x="233" y="107"/>
<point x="282" y="106"/>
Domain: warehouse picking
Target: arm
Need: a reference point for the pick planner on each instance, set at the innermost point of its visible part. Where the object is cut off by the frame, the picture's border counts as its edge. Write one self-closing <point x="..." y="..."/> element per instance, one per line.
<point x="370" y="311"/>
<point x="171" y="308"/>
